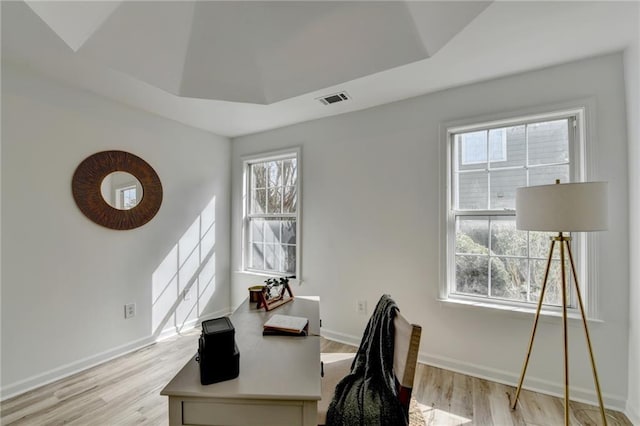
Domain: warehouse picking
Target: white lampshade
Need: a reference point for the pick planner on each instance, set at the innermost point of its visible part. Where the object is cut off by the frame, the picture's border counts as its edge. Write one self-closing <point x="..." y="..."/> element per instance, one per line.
<point x="563" y="207"/>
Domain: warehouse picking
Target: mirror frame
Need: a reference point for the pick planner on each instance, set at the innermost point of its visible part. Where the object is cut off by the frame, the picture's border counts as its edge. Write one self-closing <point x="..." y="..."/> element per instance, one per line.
<point x="91" y="172"/>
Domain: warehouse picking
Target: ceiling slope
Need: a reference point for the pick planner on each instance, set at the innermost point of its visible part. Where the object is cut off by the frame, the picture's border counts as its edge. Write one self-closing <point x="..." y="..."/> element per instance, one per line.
<point x="255" y="51"/>
<point x="504" y="39"/>
<point x="74" y="21"/>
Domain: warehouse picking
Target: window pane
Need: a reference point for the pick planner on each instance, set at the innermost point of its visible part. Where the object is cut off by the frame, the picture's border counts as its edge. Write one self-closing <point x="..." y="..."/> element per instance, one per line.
<point x="279" y="249"/>
<point x="288" y="231"/>
<point x="274" y="202"/>
<point x="471" y="274"/>
<point x="129" y="199"/>
<point x="472" y="236"/>
<point x="259" y="176"/>
<point x="472" y="150"/>
<point x="275" y="173"/>
<point x="289" y="259"/>
<point x="257" y="231"/>
<point x="547" y="175"/>
<point x="257" y="256"/>
<point x="258" y="200"/>
<point x="503" y="187"/>
<point x="272" y="257"/>
<point x="553" y="293"/>
<point x="272" y="231"/>
<point x="498" y="145"/>
<point x="548" y="142"/>
<point x="506" y="239"/>
<point x="540" y="244"/>
<point x="472" y="191"/>
<point x="290" y="201"/>
<point x="509" y="278"/>
<point x="289" y="172"/>
<point x="515" y="147"/>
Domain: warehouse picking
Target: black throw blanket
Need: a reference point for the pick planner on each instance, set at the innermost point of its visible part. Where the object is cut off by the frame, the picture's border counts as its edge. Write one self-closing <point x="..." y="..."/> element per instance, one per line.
<point x="368" y="394"/>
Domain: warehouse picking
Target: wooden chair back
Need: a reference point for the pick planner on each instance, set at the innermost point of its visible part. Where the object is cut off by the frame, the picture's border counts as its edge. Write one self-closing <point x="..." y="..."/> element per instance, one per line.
<point x="405" y="357"/>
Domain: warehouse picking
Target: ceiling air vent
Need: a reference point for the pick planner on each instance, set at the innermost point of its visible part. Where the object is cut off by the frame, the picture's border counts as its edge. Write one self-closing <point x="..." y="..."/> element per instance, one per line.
<point x="334" y="98"/>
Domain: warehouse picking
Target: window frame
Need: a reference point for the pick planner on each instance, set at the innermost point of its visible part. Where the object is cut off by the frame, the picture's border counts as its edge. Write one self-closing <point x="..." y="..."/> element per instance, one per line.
<point x="247" y="161"/>
<point x="584" y="245"/>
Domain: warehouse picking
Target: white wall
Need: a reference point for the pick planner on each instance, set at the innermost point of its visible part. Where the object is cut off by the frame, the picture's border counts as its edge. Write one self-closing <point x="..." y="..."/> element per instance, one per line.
<point x="65" y="280"/>
<point x="371" y="224"/>
<point x="632" y="80"/>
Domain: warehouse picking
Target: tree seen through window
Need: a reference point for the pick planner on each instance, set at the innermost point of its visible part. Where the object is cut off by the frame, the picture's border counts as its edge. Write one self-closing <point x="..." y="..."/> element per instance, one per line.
<point x="272" y="218"/>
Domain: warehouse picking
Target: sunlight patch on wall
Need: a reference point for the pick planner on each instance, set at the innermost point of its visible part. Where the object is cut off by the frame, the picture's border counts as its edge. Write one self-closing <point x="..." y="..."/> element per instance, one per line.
<point x="164" y="282"/>
<point x="184" y="282"/>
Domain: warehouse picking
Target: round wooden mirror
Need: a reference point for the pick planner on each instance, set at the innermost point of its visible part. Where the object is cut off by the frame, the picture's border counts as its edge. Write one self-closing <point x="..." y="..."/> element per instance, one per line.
<point x="117" y="190"/>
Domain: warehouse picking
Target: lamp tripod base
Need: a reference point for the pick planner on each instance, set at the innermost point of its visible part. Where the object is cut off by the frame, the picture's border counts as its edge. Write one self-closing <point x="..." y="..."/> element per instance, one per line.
<point x="563" y="243"/>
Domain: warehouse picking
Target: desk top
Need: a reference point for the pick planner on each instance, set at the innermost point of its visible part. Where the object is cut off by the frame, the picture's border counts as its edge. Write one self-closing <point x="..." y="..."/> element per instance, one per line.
<point x="271" y="367"/>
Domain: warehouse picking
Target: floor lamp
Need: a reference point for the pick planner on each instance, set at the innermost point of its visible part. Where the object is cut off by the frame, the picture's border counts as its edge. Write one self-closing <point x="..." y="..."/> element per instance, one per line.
<point x="568" y="207"/>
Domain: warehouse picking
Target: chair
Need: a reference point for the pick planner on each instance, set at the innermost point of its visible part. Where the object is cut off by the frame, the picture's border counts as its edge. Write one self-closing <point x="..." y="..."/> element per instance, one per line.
<point x="405" y="359"/>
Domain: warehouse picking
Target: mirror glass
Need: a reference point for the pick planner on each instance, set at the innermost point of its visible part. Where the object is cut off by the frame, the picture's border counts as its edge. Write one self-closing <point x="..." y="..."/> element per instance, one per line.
<point x="121" y="190"/>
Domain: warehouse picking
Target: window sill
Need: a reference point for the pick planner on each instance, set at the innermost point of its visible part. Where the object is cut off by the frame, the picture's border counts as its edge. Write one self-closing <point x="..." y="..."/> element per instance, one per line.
<point x="268" y="275"/>
<point x="546" y="315"/>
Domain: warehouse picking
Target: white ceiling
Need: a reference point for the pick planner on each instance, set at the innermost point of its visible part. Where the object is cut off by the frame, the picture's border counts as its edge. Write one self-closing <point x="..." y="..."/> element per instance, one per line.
<point x="255" y="52"/>
<point x="236" y="68"/>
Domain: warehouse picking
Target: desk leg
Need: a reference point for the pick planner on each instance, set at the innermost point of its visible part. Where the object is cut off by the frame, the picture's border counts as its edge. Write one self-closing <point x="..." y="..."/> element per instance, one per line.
<point x="310" y="413"/>
<point x="175" y="411"/>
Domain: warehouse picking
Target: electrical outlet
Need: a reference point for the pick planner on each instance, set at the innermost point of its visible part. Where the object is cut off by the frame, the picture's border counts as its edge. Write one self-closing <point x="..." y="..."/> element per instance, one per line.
<point x="361" y="306"/>
<point x="129" y="310"/>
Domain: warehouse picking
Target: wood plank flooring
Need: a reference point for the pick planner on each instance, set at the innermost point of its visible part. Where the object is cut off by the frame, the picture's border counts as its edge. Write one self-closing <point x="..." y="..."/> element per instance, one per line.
<point x="126" y="391"/>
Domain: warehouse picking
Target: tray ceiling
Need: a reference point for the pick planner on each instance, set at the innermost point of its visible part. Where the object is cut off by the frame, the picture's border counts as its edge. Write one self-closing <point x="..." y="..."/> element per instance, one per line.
<point x="257" y="52"/>
<point x="236" y="68"/>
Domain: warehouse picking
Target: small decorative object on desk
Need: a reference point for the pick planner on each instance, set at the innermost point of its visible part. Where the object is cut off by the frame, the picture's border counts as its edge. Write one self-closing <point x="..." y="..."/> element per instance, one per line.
<point x="254" y="293"/>
<point x="273" y="293"/>
<point x="286" y="325"/>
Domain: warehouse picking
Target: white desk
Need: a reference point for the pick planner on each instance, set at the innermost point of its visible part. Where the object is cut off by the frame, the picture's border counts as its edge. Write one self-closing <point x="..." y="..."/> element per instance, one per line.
<point x="279" y="381"/>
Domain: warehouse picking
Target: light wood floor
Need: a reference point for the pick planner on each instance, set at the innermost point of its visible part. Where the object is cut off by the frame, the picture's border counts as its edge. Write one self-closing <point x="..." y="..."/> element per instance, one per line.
<point x="126" y="391"/>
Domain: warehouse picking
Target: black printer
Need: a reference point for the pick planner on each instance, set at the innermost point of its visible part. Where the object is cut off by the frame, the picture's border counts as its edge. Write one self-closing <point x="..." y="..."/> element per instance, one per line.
<point x="218" y="353"/>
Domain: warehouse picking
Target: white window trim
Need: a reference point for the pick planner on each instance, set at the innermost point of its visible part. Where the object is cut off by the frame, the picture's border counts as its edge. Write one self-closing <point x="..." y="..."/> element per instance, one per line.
<point x="247" y="160"/>
<point x="582" y="169"/>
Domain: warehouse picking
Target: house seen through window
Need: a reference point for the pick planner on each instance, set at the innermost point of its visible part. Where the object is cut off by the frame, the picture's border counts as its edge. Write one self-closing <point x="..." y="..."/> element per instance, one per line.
<point x="488" y="258"/>
<point x="473" y="146"/>
<point x="271" y="220"/>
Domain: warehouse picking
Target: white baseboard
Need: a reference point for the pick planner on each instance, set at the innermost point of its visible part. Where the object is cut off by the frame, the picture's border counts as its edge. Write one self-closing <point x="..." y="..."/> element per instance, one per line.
<point x="632" y="414"/>
<point x="532" y="383"/>
<point x="341" y="337"/>
<point x="588" y="396"/>
<point x="67" y="370"/>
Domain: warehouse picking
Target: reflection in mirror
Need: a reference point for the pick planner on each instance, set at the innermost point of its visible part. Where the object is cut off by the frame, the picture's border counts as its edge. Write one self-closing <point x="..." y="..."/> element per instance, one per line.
<point x="121" y="190"/>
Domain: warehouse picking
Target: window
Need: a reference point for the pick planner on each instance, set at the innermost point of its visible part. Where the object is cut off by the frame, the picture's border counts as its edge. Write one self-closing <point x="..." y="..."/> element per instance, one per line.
<point x="271" y="220"/>
<point x="473" y="146"/>
<point x="488" y="259"/>
<point x="126" y="197"/>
